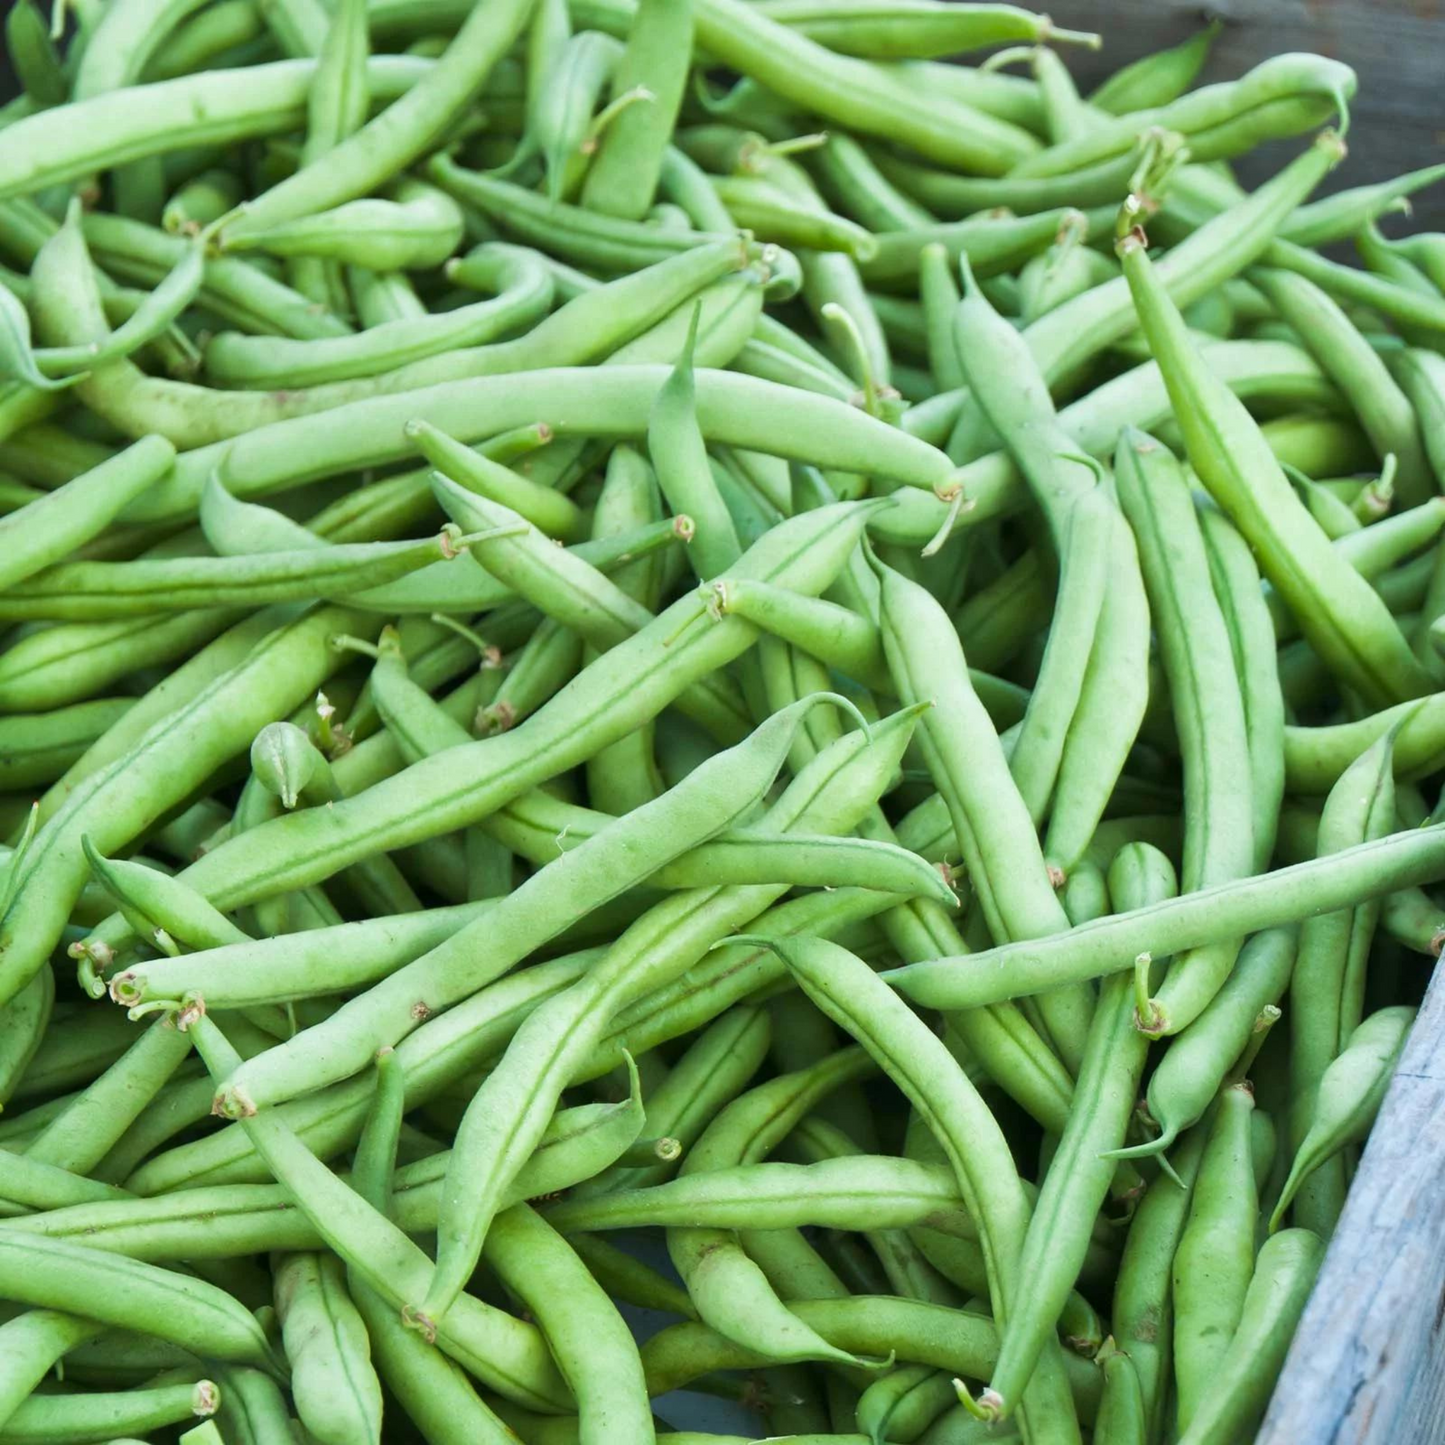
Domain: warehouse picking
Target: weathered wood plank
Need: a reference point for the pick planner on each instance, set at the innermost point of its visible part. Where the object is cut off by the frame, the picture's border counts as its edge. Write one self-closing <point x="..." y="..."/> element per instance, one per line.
<point x="1367" y="1366"/>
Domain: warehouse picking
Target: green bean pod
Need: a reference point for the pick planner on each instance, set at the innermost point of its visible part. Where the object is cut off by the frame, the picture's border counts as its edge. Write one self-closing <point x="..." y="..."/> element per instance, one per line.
<point x="630" y="161"/>
<point x="1338" y="611"/>
<point x="1215" y="1257"/>
<point x="1209" y="915"/>
<point x="523" y="290"/>
<point x="1327" y="84"/>
<point x="1081" y="1171"/>
<point x="1283" y="1276"/>
<point x="1158" y="78"/>
<point x="1348" y="1096"/>
<point x="57" y="1274"/>
<point x="1327" y="989"/>
<point x="651" y="953"/>
<point x="942" y="1094"/>
<point x="337" y="1394"/>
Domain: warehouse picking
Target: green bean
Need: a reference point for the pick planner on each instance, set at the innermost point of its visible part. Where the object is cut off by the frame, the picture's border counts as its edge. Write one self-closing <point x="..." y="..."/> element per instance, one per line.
<point x="524" y="292"/>
<point x="417" y="230"/>
<point x="1207" y="703"/>
<point x="407" y="129"/>
<point x="624" y="175"/>
<point x="337" y="1394"/>
<point x="1079" y="1175"/>
<point x="967" y="762"/>
<point x="594" y="1349"/>
<point x="45" y="531"/>
<point x="33" y="56"/>
<point x="94" y="1416"/>
<point x="83" y="1133"/>
<point x="113" y="805"/>
<point x="56" y="1274"/>
<point x="1326" y="84"/>
<point x="1352" y="363"/>
<point x="1112" y="703"/>
<point x="627" y="851"/>
<point x="1158" y="78"/>
<point x="1327" y="989"/>
<point x="1283" y="1277"/>
<point x="591" y="323"/>
<point x="34" y="1342"/>
<point x="225" y="1221"/>
<point x="1215" y="1257"/>
<point x="946" y="1100"/>
<point x="949" y="1339"/>
<point x="1251" y="635"/>
<point x="862" y="1192"/>
<point x="1209" y="915"/>
<point x="1342" y="215"/>
<point x="200" y="201"/>
<point x="110" y="128"/>
<point x="38" y="748"/>
<point x="1192" y="1071"/>
<point x="1347" y="1097"/>
<point x="863" y="96"/>
<point x="917" y="30"/>
<point x="1339" y="612"/>
<point x="649" y="955"/>
<point x="498" y="1349"/>
<point x="22" y="1029"/>
<point x="95" y="591"/>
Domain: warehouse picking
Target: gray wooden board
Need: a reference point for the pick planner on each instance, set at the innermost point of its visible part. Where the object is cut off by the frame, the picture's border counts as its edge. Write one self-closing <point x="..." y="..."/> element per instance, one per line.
<point x="1367" y="1366"/>
<point x="1397" y="47"/>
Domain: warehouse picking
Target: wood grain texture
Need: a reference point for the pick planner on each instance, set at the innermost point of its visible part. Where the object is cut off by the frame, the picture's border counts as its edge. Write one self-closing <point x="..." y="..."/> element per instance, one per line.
<point x="1367" y="1366"/>
<point x="1397" y="47"/>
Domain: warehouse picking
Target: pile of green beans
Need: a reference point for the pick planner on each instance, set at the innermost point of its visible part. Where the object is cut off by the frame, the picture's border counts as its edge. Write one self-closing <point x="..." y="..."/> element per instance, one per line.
<point x="718" y="719"/>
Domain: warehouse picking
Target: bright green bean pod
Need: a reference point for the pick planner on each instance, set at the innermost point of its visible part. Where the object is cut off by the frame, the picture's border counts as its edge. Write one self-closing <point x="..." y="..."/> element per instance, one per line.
<point x="1283" y="1276"/>
<point x="1339" y="612"/>
<point x="34" y="1342"/>
<point x="676" y="448"/>
<point x="624" y="175"/>
<point x="967" y="762"/>
<point x="593" y="1346"/>
<point x="497" y="1349"/>
<point x="545" y="508"/>
<point x="337" y="1394"/>
<point x="49" y="529"/>
<point x="46" y="1418"/>
<point x="861" y="95"/>
<point x="1327" y="989"/>
<point x="1191" y="1072"/>
<point x="523" y="295"/>
<point x="110" y="129"/>
<point x="1210" y="915"/>
<point x="650" y="954"/>
<point x="849" y="993"/>
<point x="1156" y="79"/>
<point x="1208" y="706"/>
<point x="1251" y="635"/>
<point x="409" y="128"/>
<point x="56" y="1274"/>
<point x="417" y="230"/>
<point x="1079" y="1176"/>
<point x="93" y="591"/>
<point x="1215" y="1258"/>
<point x="80" y="1136"/>
<point x="1345" y="356"/>
<point x="1348" y="1096"/>
<point x="1326" y="84"/>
